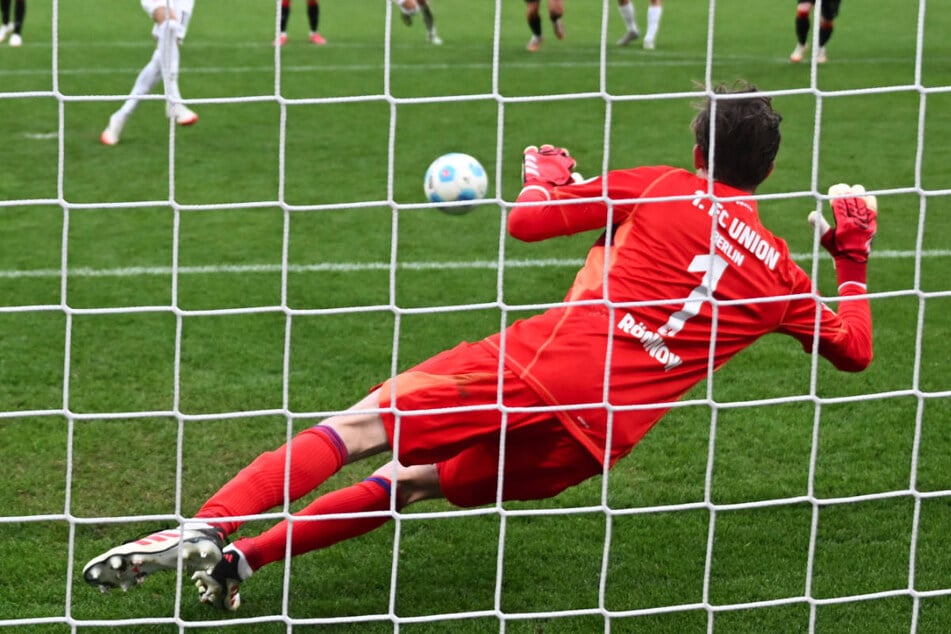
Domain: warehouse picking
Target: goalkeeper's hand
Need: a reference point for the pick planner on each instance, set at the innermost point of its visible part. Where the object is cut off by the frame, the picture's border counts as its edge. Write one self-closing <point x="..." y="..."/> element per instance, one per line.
<point x="855" y="223"/>
<point x="547" y="166"/>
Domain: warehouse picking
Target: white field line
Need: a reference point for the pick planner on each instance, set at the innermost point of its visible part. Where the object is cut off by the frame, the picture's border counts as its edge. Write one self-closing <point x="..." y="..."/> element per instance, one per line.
<point x="354" y="267"/>
<point x="656" y="60"/>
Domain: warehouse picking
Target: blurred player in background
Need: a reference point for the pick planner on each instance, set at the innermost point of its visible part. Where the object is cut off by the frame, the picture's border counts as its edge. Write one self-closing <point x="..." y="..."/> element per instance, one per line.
<point x="13" y="29"/>
<point x="556" y="9"/>
<point x="171" y="19"/>
<point x="441" y="419"/>
<point x="313" y="18"/>
<point x="654" y="11"/>
<point x="409" y="8"/>
<point x="828" y="12"/>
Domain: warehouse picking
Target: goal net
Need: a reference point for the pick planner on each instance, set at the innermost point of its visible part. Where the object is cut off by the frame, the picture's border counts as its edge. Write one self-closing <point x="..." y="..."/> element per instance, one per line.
<point x="177" y="303"/>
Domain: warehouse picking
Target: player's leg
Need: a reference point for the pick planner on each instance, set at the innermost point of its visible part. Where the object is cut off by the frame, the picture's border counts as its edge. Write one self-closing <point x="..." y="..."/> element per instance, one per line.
<point x="372" y="495"/>
<point x="373" y="425"/>
<point x="6" y="27"/>
<point x="170" y="30"/>
<point x="534" y="20"/>
<point x="369" y="427"/>
<point x="654" y="12"/>
<point x="315" y="455"/>
<point x="830" y="9"/>
<point x="429" y="21"/>
<point x="803" y="11"/>
<point x="371" y="500"/>
<point x="146" y="80"/>
<point x="313" y="18"/>
<point x="631" y="33"/>
<point x="324" y="449"/>
<point x="541" y="460"/>
<point x="408" y="8"/>
<point x="19" y="13"/>
<point x="556" y="11"/>
<point x="281" y="38"/>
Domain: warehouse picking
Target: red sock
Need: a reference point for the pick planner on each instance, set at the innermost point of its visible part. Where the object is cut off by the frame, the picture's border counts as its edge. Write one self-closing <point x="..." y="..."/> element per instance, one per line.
<point x="316" y="454"/>
<point x="373" y="494"/>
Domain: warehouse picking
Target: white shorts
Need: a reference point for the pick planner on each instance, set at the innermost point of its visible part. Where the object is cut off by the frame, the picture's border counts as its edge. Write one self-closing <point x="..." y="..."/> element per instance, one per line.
<point x="181" y="8"/>
<point x="178" y="6"/>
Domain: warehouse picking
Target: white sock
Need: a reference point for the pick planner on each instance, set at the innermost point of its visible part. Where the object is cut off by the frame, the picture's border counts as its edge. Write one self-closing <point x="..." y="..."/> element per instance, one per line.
<point x="627" y="14"/>
<point x="168" y="48"/>
<point x="653" y="22"/>
<point x="144" y="84"/>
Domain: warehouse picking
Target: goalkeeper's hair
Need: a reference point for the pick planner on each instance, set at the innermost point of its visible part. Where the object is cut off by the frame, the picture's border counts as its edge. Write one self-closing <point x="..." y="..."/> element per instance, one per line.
<point x="747" y="136"/>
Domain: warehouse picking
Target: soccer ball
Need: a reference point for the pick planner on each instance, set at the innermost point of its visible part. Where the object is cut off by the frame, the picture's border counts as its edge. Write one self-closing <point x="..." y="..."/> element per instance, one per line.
<point x="453" y="177"/>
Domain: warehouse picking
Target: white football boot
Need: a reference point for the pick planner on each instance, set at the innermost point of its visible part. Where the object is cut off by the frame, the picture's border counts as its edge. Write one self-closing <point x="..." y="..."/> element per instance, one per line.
<point x="129" y="564"/>
<point x="5" y="30"/>
<point x="796" y="56"/>
<point x="181" y="114"/>
<point x="113" y="131"/>
<point x="628" y="37"/>
<point x="16" y="40"/>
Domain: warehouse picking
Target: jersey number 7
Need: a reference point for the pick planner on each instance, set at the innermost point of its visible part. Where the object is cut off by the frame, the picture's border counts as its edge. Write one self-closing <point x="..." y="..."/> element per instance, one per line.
<point x="712" y="267"/>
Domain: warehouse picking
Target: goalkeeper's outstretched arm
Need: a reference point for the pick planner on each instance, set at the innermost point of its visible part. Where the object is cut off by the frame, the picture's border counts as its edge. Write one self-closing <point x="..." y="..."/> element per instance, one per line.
<point x="845" y="338"/>
<point x="548" y="177"/>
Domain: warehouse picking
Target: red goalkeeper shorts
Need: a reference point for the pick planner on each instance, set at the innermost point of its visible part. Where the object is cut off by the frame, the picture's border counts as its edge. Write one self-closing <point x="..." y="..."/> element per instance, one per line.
<point x="541" y="458"/>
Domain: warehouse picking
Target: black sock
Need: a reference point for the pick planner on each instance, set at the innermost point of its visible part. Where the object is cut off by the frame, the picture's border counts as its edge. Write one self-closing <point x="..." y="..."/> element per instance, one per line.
<point x="802" y="29"/>
<point x="825" y="32"/>
<point x="535" y="24"/>
<point x="285" y="14"/>
<point x="428" y="19"/>
<point x="313" y="14"/>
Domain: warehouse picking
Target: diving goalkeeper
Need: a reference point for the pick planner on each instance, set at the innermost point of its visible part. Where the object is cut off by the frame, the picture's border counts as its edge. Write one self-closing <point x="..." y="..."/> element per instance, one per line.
<point x="671" y="290"/>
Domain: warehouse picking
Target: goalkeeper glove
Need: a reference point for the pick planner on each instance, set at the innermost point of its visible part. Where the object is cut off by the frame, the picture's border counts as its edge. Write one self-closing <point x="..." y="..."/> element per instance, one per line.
<point x="850" y="241"/>
<point x="547" y="166"/>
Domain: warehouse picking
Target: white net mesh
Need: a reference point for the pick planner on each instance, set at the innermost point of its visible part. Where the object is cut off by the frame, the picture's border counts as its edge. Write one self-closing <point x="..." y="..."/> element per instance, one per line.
<point x="777" y="492"/>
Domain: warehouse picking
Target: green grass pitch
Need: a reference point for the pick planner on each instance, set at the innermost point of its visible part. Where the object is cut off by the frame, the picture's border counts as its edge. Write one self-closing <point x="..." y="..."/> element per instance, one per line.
<point x="288" y="141"/>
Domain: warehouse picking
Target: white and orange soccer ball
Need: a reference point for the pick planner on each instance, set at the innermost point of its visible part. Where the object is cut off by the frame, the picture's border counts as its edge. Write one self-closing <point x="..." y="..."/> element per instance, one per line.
<point x="455" y="177"/>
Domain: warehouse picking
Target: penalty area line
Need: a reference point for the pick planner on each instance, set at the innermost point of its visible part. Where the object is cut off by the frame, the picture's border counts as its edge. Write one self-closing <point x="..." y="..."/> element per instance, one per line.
<point x="329" y="267"/>
<point x="356" y="267"/>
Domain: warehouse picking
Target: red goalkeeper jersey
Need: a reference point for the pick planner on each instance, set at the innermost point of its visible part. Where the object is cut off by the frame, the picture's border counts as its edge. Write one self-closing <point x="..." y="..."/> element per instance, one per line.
<point x="670" y="292"/>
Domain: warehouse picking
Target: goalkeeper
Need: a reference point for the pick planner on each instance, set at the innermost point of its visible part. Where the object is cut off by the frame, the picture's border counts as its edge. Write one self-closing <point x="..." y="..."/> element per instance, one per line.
<point x="704" y="244"/>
